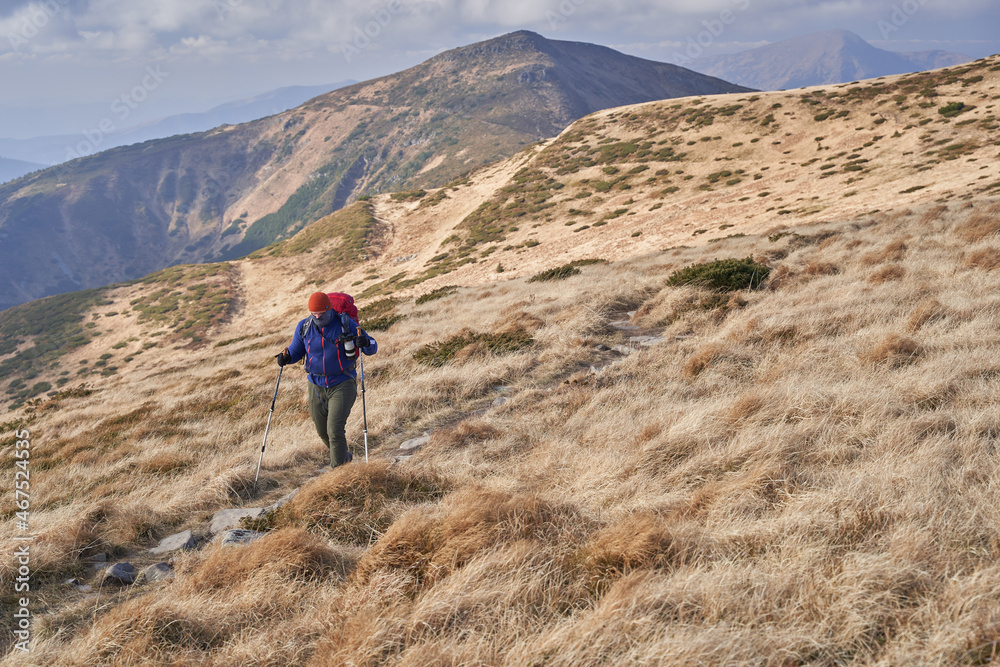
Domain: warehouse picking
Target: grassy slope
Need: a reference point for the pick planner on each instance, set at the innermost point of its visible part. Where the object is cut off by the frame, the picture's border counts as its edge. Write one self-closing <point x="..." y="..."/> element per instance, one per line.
<point x="639" y="178"/>
<point x="804" y="473"/>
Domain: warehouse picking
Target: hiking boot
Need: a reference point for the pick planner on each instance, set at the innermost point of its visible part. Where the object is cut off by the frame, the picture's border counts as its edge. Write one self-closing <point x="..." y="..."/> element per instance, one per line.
<point x="350" y="457"/>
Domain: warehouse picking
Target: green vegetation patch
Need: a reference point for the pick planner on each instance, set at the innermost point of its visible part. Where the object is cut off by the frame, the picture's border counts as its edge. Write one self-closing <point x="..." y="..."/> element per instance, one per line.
<point x="434" y="199"/>
<point x="564" y="271"/>
<point x="379" y="315"/>
<point x="54" y="326"/>
<point x="409" y="195"/>
<point x="439" y="293"/>
<point x="529" y="194"/>
<point x="440" y="353"/>
<point x="353" y="225"/>
<point x="726" y="275"/>
<point x="188" y="299"/>
<point x="953" y="109"/>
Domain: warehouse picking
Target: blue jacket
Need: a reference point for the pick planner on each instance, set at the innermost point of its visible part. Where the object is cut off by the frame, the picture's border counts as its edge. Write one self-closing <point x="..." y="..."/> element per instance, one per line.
<point x="326" y="363"/>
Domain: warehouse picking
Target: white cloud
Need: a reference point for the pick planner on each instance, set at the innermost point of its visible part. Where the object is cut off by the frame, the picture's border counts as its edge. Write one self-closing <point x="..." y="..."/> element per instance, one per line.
<point x="258" y="41"/>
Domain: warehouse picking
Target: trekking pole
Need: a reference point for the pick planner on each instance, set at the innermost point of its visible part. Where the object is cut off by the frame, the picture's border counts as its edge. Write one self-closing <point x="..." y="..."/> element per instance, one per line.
<point x="364" y="410"/>
<point x="267" y="428"/>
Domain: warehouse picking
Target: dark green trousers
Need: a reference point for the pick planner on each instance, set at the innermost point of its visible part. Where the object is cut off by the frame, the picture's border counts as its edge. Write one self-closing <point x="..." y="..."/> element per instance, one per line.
<point x="330" y="407"/>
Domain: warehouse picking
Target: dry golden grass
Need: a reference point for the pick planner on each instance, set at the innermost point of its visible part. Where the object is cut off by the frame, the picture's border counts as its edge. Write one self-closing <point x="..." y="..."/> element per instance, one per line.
<point x="356" y="504"/>
<point x="806" y="475"/>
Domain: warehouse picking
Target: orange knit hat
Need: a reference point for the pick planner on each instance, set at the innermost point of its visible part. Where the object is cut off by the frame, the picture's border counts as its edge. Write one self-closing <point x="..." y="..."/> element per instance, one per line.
<point x="319" y="303"/>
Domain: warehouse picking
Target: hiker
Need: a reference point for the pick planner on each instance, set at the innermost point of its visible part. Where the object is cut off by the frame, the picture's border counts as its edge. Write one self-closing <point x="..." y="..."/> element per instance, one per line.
<point x="329" y="340"/>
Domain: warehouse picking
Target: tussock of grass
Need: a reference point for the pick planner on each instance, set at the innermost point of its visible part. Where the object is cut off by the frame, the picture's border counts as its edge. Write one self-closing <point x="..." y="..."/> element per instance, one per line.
<point x="982" y="224"/>
<point x="288" y="554"/>
<point x="470" y="522"/>
<point x="355" y="504"/>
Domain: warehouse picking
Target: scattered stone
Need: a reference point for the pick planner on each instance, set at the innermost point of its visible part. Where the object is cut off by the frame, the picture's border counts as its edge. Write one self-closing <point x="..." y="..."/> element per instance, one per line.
<point x="283" y="501"/>
<point x="238" y="536"/>
<point x="623" y="349"/>
<point x="96" y="558"/>
<point x="73" y="582"/>
<point x="415" y="443"/>
<point x="155" y="572"/>
<point x="226" y="519"/>
<point x="120" y="574"/>
<point x="601" y="347"/>
<point x="501" y="400"/>
<point x="623" y="325"/>
<point x="647" y="341"/>
<point x="176" y="542"/>
<point x="84" y="588"/>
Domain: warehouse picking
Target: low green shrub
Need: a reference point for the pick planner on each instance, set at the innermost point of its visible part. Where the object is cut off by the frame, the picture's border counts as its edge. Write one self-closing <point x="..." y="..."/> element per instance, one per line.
<point x="564" y="271"/>
<point x="439" y="293"/>
<point x="409" y="195"/>
<point x="952" y="109"/>
<point x="441" y="352"/>
<point x="726" y="275"/>
<point x="379" y="315"/>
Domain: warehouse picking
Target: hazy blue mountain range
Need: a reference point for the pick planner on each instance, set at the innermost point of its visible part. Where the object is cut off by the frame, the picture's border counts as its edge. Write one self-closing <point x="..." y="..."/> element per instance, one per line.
<point x="220" y="194"/>
<point x="57" y="148"/>
<point x="831" y="56"/>
<point x="11" y="169"/>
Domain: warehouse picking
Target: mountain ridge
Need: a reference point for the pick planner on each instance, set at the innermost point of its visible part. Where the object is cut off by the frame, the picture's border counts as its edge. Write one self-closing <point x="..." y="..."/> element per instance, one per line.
<point x="11" y="168"/>
<point x="226" y="192"/>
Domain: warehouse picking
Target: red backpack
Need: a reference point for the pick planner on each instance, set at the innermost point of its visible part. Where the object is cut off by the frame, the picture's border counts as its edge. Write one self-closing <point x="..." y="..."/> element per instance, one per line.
<point x="344" y="303"/>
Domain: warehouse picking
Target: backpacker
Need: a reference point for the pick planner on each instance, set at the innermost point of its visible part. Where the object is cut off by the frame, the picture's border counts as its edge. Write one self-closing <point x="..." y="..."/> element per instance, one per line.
<point x="343" y="305"/>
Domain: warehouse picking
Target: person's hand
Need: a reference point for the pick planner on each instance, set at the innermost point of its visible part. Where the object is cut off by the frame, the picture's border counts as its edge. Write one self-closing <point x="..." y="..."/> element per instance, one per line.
<point x="283" y="358"/>
<point x="363" y="340"/>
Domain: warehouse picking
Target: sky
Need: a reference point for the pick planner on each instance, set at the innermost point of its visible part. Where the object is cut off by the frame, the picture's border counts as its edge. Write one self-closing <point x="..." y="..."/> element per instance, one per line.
<point x="67" y="65"/>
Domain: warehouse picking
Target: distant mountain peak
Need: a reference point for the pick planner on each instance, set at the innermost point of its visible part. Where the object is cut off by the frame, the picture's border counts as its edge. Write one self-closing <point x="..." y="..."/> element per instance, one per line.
<point x="826" y="57"/>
